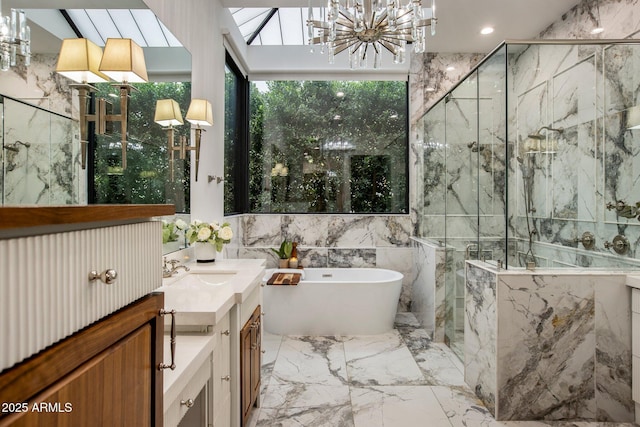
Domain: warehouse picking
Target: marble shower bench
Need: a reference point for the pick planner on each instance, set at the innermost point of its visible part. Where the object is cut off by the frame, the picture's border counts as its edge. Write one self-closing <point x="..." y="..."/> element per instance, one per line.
<point x="549" y="344"/>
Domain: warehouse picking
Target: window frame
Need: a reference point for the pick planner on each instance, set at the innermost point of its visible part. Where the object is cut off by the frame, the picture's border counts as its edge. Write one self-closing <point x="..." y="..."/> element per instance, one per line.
<point x="240" y="170"/>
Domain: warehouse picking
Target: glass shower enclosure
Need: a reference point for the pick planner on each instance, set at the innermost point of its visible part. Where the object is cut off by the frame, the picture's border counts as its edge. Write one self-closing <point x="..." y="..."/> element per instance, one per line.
<point x="532" y="161"/>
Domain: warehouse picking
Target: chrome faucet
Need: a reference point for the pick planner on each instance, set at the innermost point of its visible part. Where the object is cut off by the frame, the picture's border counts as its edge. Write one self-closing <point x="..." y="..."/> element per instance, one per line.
<point x="171" y="267"/>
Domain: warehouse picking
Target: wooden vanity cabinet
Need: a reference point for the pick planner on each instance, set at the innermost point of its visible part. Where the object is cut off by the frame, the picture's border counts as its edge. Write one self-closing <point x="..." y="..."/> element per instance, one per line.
<point x="250" y="361"/>
<point x="104" y="375"/>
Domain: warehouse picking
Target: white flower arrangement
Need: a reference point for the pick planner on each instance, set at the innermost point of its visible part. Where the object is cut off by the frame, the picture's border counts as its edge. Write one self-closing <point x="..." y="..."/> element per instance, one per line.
<point x="170" y="230"/>
<point x="212" y="233"/>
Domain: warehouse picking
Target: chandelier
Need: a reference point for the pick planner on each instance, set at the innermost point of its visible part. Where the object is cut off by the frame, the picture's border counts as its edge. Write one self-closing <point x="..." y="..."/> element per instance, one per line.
<point x="365" y="27"/>
<point x="15" y="39"/>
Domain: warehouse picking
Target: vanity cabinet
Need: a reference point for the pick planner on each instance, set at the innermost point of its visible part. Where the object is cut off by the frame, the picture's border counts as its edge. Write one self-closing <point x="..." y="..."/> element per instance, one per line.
<point x="222" y="375"/>
<point x="250" y="357"/>
<point x="105" y="375"/>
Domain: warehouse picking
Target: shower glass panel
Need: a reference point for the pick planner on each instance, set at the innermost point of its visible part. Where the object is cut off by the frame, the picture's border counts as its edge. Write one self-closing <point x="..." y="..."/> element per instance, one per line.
<point x="40" y="157"/>
<point x="532" y="161"/>
<point x="461" y="201"/>
<point x="491" y="166"/>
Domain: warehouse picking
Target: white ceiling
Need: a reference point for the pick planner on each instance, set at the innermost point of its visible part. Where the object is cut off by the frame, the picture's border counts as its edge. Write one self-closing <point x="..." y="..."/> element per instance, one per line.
<point x="460" y="21"/>
<point x="458" y="30"/>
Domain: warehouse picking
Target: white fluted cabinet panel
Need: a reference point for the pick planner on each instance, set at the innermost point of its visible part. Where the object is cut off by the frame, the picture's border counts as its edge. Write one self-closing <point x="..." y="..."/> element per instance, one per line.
<point x="46" y="280"/>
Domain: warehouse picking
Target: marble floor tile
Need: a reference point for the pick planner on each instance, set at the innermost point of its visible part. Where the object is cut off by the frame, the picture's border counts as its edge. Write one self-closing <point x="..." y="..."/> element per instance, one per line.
<point x="462" y="407"/>
<point x="301" y="404"/>
<point x="394" y="406"/>
<point x="310" y="360"/>
<point x="270" y="346"/>
<point x="380" y="360"/>
<point x="398" y="379"/>
<point x="323" y="416"/>
<point x="438" y="367"/>
<point x="300" y="395"/>
<point x="406" y="319"/>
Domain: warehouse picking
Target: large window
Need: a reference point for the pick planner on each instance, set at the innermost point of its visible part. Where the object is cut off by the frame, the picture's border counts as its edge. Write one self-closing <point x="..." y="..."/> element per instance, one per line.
<point x="328" y="147"/>
<point x="235" y="139"/>
<point x="147" y="178"/>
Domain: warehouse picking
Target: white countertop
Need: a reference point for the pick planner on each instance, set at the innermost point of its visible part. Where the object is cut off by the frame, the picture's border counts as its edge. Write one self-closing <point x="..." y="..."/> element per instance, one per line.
<point x="204" y="294"/>
<point x="191" y="352"/>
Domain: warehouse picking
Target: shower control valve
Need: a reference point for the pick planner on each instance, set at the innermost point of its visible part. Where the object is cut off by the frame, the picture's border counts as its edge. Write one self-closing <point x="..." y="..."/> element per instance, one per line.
<point x="619" y="205"/>
<point x="587" y="239"/>
<point x="620" y="244"/>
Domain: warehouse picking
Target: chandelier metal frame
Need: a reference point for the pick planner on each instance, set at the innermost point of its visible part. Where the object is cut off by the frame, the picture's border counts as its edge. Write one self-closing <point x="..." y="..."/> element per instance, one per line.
<point x="362" y="27"/>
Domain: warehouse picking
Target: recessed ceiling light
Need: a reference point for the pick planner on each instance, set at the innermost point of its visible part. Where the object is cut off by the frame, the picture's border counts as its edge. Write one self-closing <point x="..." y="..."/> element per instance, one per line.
<point x="597" y="30"/>
<point x="450" y="68"/>
<point x="486" y="30"/>
<point x="430" y="89"/>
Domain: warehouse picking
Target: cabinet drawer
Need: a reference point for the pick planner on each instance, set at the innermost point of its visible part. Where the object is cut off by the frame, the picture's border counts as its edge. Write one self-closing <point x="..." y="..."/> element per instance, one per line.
<point x="46" y="277"/>
<point x="176" y="410"/>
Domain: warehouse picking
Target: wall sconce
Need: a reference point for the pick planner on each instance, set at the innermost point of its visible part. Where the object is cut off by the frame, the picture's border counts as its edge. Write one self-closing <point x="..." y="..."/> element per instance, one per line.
<point x="168" y="114"/>
<point x="79" y="60"/>
<point x="200" y="114"/>
<point x="122" y="61"/>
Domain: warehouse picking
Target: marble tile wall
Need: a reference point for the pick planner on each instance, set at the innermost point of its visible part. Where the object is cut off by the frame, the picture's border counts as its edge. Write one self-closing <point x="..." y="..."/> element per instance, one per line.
<point x="480" y="335"/>
<point x="381" y="241"/>
<point x="592" y="162"/>
<point x="428" y="287"/>
<point x="48" y="171"/>
<point x="542" y="346"/>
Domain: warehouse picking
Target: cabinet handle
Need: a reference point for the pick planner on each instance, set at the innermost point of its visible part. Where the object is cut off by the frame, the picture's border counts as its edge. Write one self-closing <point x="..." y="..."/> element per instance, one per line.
<point x="226" y="378"/>
<point x="226" y="332"/>
<point x="188" y="403"/>
<point x="107" y="277"/>
<point x="162" y="366"/>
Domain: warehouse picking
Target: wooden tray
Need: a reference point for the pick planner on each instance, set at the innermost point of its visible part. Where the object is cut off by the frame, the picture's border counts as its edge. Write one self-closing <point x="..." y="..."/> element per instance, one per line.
<point x="284" y="279"/>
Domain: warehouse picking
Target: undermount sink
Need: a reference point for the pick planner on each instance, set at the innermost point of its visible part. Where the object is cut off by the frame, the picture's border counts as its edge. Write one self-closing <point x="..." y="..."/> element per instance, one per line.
<point x="205" y="278"/>
<point x="198" y="291"/>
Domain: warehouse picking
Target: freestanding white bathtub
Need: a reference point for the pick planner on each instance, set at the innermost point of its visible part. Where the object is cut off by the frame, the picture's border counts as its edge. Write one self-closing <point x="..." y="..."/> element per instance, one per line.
<point x="333" y="301"/>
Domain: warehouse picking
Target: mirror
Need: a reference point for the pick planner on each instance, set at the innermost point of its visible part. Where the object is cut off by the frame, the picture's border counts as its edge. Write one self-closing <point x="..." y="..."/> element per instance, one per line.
<point x="40" y="156"/>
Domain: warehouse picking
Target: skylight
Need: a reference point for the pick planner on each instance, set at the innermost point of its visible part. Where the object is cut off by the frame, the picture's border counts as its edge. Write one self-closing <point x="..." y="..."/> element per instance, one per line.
<point x="288" y="26"/>
<point x="140" y="25"/>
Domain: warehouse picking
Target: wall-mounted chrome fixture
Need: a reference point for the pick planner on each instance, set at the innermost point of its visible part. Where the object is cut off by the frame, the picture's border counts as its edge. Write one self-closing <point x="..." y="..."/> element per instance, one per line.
<point x="624" y="210"/>
<point x="168" y="114"/>
<point x="587" y="239"/>
<point x="218" y="179"/>
<point x="539" y="143"/>
<point x="84" y="62"/>
<point x="15" y="39"/>
<point x="620" y="244"/>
